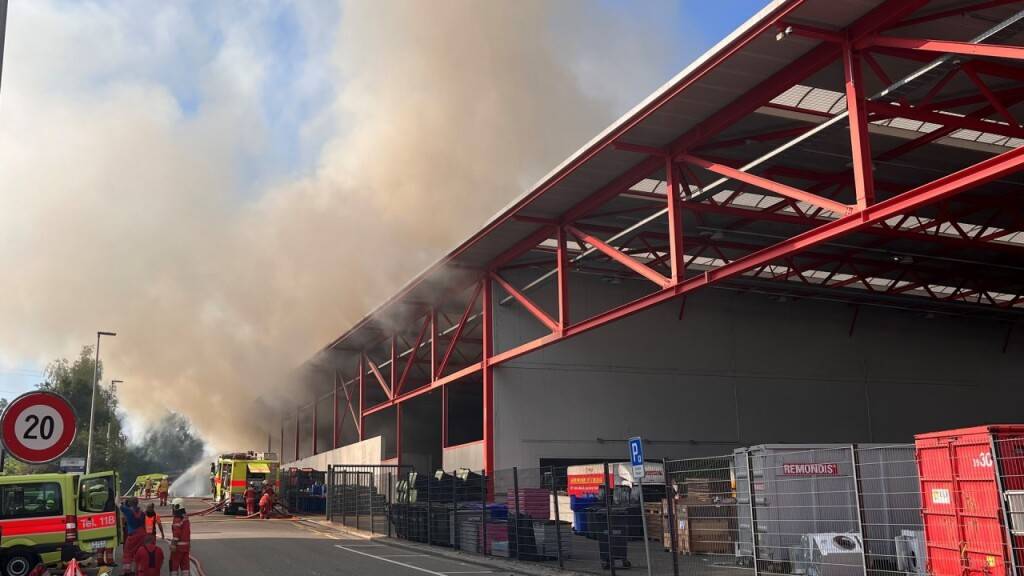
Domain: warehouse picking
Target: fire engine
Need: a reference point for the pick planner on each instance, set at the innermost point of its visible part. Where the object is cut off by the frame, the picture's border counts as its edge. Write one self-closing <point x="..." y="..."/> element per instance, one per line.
<point x="232" y="472"/>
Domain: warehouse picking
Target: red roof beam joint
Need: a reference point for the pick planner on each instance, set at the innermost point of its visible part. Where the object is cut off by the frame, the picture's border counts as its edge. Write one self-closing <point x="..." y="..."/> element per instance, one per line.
<point x="622" y="258"/>
<point x="531" y="307"/>
<point x="412" y="355"/>
<point x="380" y="377"/>
<point x="458" y="331"/>
<point x="943" y="46"/>
<point x="769" y="185"/>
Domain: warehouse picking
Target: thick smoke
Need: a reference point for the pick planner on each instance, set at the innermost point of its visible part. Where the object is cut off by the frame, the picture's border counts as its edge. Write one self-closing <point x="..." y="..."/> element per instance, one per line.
<point x="123" y="207"/>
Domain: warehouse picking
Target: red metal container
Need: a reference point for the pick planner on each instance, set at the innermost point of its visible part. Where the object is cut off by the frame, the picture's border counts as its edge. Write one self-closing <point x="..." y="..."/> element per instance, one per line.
<point x="967" y="478"/>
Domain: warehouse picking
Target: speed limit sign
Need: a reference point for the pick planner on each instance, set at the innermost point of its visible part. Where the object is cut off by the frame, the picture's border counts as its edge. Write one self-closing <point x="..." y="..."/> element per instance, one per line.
<point x="38" y="427"/>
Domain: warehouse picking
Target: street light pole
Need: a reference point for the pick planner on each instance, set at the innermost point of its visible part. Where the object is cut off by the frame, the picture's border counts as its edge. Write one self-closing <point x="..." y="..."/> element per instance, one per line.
<point x="92" y="405"/>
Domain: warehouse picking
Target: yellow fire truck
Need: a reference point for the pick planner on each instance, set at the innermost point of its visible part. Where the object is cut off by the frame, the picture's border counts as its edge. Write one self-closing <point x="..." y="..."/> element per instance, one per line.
<point x="49" y="518"/>
<point x="231" y="473"/>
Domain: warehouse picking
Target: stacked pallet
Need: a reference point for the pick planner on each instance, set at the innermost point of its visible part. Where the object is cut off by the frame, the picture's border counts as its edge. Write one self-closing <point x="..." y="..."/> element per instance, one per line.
<point x="544" y="533"/>
<point x="533" y="502"/>
<point x="652" y="516"/>
<point x="470" y="536"/>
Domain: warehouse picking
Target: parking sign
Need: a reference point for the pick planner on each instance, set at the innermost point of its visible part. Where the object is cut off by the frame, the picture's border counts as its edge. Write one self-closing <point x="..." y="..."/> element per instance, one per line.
<point x="636" y="457"/>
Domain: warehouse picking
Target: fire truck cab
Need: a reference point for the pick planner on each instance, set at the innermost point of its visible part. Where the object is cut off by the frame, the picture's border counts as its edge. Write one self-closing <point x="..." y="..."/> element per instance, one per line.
<point x="231" y="473"/>
<point x="52" y="518"/>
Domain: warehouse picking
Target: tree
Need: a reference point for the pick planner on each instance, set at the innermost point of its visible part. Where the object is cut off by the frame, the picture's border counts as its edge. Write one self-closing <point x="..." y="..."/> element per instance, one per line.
<point x="73" y="381"/>
<point x="168" y="446"/>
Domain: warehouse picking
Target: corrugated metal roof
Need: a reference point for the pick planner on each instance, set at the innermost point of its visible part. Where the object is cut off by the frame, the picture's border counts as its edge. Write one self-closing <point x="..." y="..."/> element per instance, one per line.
<point x="746" y="58"/>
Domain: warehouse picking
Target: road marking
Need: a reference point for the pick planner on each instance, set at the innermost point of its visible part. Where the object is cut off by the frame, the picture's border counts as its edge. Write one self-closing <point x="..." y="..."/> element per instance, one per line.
<point x="383" y="559"/>
<point x="472" y="572"/>
<point x="407" y="556"/>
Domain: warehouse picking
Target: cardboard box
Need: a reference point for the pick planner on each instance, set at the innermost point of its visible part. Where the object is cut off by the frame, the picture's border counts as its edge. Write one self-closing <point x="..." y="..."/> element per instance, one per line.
<point x="652" y="515"/>
<point x="711" y="536"/>
<point x="682" y="528"/>
<point x="699" y="490"/>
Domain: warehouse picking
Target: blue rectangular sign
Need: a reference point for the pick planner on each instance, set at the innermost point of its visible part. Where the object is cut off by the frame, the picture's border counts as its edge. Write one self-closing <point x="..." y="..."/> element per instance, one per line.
<point x="636" y="456"/>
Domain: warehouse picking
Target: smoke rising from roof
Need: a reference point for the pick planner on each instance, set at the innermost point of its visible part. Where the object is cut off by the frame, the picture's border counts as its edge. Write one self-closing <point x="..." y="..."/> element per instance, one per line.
<point x="129" y="203"/>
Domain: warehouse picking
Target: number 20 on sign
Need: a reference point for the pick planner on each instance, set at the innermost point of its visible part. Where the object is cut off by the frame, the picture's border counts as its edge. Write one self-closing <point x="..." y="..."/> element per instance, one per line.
<point x="38" y="427"/>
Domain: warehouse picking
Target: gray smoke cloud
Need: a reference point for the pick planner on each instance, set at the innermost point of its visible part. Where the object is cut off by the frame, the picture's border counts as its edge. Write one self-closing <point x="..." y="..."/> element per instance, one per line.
<point x="121" y="209"/>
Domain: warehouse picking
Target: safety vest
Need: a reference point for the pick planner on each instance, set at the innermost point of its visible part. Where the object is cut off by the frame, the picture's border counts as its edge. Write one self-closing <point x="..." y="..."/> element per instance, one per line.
<point x="151" y="522"/>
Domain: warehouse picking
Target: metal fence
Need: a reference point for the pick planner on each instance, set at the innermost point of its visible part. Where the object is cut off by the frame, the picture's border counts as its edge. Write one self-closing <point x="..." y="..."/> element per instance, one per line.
<point x="829" y="510"/>
<point x="814" y="511"/>
<point x="362" y="497"/>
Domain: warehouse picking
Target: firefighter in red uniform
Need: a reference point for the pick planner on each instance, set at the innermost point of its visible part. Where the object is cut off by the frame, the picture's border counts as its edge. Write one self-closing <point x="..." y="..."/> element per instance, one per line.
<point x="149" y="558"/>
<point x="266" y="501"/>
<point x="250" y="499"/>
<point x="181" y="536"/>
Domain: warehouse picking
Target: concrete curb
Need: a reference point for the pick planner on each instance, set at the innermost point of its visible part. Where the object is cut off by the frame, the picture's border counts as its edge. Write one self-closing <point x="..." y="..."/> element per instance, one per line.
<point x="491" y="562"/>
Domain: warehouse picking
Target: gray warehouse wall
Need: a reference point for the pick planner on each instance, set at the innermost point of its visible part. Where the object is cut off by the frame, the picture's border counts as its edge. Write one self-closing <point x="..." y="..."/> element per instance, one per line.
<point x="742" y="369"/>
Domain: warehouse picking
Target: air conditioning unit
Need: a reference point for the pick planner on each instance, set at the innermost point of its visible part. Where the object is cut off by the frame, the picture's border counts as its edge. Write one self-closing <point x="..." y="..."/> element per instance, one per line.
<point x="910" y="552"/>
<point x="829" y="554"/>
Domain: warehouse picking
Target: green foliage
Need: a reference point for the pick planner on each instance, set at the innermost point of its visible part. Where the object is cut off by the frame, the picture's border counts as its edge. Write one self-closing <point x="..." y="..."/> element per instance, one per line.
<point x="169" y="446"/>
<point x="73" y="381"/>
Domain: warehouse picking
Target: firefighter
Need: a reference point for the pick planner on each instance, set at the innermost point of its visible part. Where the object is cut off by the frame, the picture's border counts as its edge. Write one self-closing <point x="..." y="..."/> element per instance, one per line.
<point x="153" y="522"/>
<point x="149" y="558"/>
<point x="266" y="501"/>
<point x="162" y="491"/>
<point x="147" y="490"/>
<point x="134" y="529"/>
<point x="181" y="535"/>
<point x="250" y="499"/>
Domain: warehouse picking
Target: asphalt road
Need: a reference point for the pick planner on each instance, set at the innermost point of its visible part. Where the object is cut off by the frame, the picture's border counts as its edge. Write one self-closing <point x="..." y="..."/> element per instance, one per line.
<point x="233" y="546"/>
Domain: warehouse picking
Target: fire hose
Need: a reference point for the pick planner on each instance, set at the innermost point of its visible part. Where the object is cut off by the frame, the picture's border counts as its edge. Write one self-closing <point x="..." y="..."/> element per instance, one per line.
<point x="206" y="511"/>
<point x="276" y="513"/>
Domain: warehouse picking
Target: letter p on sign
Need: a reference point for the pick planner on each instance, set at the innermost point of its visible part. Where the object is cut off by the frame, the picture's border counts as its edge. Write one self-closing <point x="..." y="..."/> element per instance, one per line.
<point x="636" y="456"/>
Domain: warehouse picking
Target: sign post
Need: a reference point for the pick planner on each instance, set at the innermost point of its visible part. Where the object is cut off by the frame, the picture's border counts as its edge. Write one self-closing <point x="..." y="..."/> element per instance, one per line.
<point x="38" y="427"/>
<point x="636" y="459"/>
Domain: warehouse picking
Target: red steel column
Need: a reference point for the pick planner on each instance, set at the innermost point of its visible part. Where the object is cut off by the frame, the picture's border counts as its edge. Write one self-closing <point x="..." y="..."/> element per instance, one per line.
<point x="563" y="281"/>
<point x="362" y="393"/>
<point x="282" y="438"/>
<point x="488" y="376"/>
<point x="675" y="222"/>
<point x="860" y="139"/>
<point x="398" y="433"/>
<point x="444" y="417"/>
<point x="394" y="360"/>
<point x="433" y="344"/>
<point x="334" y="430"/>
<point x="298" y="418"/>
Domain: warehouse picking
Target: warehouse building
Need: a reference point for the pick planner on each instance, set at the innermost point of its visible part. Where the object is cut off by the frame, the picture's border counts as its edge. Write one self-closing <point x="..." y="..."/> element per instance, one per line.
<point x="815" y="232"/>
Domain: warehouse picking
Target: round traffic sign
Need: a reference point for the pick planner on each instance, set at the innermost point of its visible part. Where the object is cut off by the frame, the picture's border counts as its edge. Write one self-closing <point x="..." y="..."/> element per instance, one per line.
<point x="38" y="427"/>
